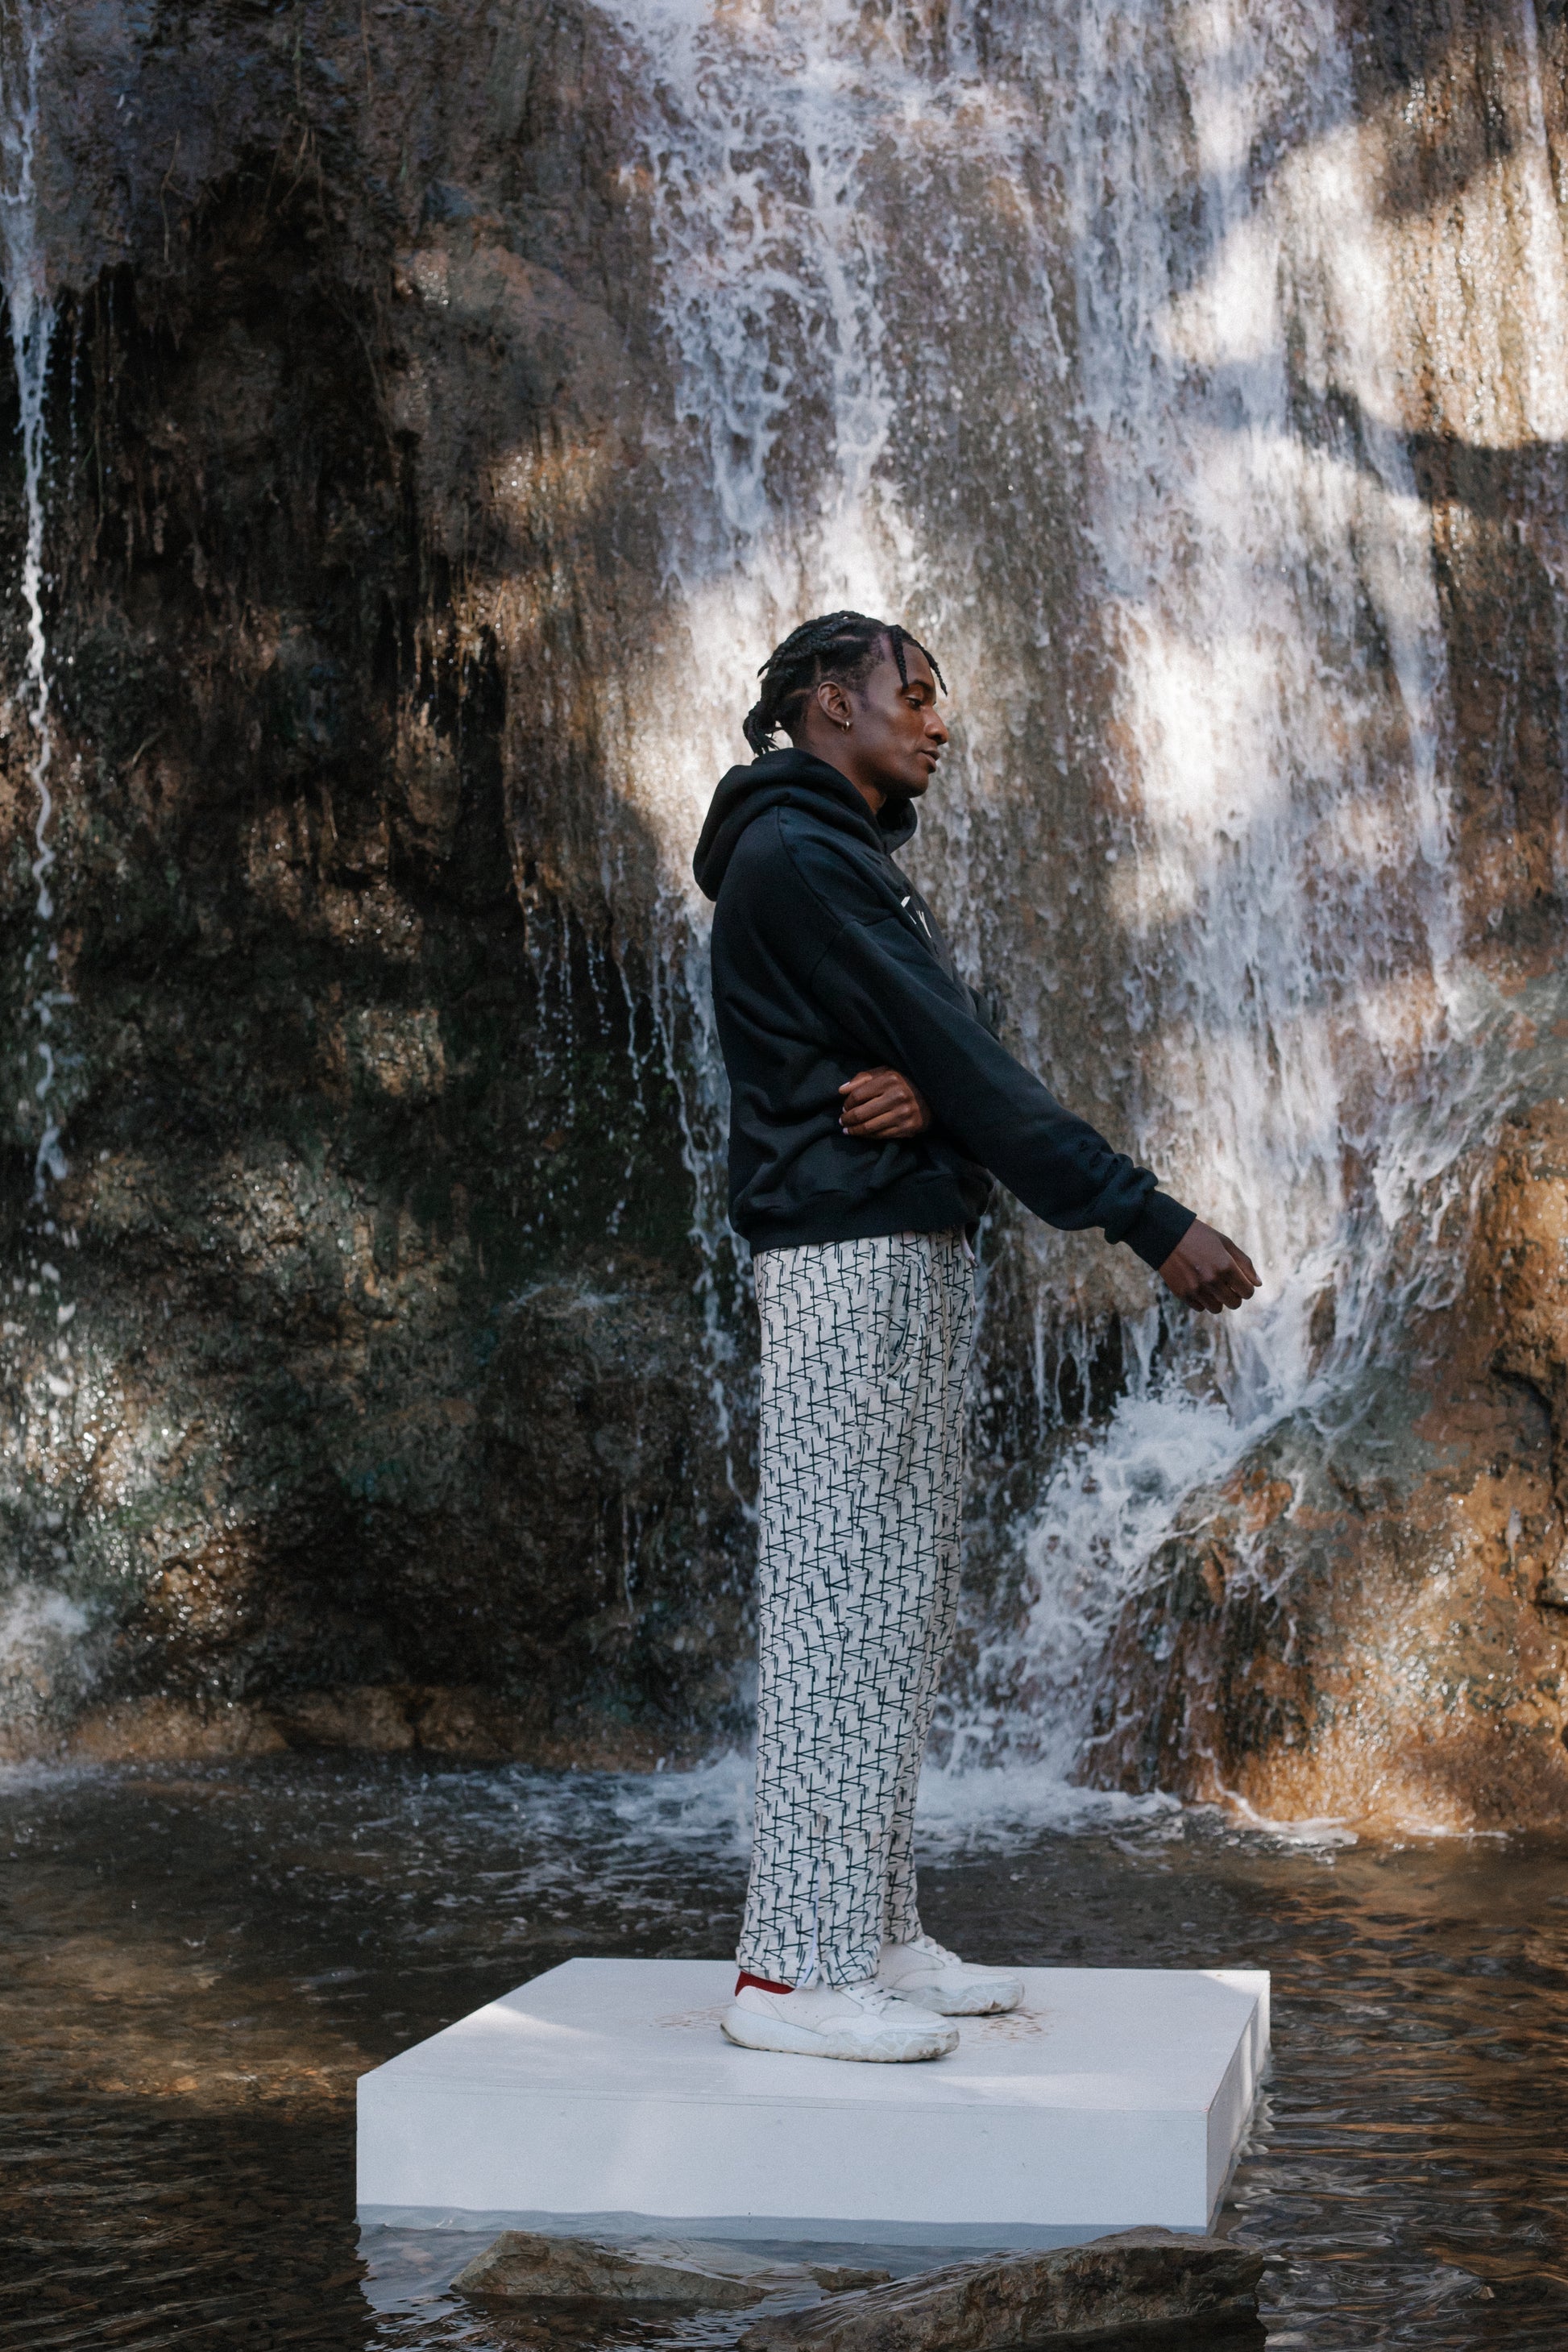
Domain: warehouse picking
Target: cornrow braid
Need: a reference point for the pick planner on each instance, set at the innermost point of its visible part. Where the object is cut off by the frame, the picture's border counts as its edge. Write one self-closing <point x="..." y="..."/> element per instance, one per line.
<point x="842" y="645"/>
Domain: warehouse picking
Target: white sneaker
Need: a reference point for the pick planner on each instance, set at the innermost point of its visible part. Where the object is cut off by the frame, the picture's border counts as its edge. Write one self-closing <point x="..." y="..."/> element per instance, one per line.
<point x="837" y="2021"/>
<point x="926" y="1974"/>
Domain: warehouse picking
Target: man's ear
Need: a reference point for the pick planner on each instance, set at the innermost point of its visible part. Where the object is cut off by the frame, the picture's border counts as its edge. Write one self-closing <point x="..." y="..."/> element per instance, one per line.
<point x="834" y="703"/>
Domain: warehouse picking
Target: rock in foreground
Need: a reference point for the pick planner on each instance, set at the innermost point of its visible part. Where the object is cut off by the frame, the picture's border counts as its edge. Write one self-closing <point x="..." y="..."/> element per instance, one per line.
<point x="522" y="2264"/>
<point x="1140" y="2278"/>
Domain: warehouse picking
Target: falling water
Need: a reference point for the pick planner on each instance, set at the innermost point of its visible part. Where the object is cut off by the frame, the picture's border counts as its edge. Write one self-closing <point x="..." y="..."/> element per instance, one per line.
<point x="750" y="177"/>
<point x="1085" y="341"/>
<point x="40" y="1627"/>
<point x="1123" y="276"/>
<point x="32" y="319"/>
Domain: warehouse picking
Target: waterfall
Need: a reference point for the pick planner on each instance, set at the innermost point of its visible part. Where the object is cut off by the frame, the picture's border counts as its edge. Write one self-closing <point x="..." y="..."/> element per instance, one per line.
<point x="1135" y="359"/>
<point x="40" y="1629"/>
<point x="1122" y="279"/>
<point x="32" y="319"/>
<point x="749" y="171"/>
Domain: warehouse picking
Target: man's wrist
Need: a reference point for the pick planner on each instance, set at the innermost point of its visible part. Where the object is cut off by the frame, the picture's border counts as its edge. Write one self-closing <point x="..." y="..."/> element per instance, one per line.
<point x="1157" y="1228"/>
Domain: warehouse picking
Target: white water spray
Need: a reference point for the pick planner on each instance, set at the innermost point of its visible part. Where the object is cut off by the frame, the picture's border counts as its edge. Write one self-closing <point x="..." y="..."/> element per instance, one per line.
<point x="750" y="151"/>
<point x="24" y="274"/>
<point x="32" y="318"/>
<point x="874" y="242"/>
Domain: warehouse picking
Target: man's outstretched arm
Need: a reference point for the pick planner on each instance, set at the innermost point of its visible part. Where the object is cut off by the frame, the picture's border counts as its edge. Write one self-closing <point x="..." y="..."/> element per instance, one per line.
<point x="909" y="1005"/>
<point x="1206" y="1270"/>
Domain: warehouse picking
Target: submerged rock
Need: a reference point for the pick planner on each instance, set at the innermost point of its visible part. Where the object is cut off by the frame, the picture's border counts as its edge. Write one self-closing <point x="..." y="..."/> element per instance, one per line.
<point x="532" y="2266"/>
<point x="1137" y="2279"/>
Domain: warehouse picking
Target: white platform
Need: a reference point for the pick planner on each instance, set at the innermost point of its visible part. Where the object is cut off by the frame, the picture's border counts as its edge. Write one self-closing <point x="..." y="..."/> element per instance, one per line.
<point x="603" y="2096"/>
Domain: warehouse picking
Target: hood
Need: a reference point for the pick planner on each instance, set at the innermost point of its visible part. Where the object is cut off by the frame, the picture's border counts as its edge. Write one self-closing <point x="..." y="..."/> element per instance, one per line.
<point x="795" y="779"/>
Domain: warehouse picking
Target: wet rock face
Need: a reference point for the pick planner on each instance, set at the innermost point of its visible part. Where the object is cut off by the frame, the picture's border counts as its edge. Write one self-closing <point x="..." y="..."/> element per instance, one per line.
<point x="378" y="1371"/>
<point x="385" y="1364"/>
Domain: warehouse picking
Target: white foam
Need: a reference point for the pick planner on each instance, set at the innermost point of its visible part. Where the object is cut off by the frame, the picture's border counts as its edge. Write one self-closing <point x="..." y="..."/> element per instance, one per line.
<point x="43" y="1651"/>
<point x="1280" y="820"/>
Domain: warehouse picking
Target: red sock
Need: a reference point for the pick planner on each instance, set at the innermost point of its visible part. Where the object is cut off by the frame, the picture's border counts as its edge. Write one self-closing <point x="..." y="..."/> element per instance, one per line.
<point x="763" y="1984"/>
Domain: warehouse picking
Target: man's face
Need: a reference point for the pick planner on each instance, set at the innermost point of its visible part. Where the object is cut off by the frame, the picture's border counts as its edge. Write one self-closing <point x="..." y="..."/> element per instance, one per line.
<point x="897" y="736"/>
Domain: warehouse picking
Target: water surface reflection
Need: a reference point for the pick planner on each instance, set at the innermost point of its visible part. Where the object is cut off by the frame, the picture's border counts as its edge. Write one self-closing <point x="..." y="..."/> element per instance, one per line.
<point x="199" y="1961"/>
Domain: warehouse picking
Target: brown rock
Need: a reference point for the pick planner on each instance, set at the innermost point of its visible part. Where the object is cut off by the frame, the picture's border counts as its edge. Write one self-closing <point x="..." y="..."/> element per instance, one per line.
<point x="1364" y="1621"/>
<point x="523" y="2264"/>
<point x="370" y="1717"/>
<point x="468" y="1723"/>
<point x="1137" y="2279"/>
<point x="1520" y="1271"/>
<point x="160" y="1730"/>
<point x="842" y="2278"/>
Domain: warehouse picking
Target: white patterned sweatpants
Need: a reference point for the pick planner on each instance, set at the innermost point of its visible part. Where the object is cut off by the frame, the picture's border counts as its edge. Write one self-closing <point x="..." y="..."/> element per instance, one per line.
<point x="865" y="1349"/>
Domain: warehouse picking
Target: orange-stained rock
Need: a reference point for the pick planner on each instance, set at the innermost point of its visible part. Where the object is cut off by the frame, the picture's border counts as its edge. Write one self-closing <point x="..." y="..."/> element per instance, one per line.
<point x="161" y="1730"/>
<point x="368" y="1716"/>
<point x="1366" y="1620"/>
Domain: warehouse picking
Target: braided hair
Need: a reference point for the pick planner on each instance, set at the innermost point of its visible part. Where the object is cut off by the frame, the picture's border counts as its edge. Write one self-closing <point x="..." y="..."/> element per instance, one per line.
<point x="843" y="645"/>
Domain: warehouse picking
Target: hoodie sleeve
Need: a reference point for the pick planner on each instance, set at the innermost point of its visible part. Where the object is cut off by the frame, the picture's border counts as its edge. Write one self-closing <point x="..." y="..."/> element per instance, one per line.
<point x="883" y="986"/>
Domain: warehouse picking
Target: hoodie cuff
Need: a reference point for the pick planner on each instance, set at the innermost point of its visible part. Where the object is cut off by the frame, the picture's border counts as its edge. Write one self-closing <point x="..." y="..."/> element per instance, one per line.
<point x="1157" y="1228"/>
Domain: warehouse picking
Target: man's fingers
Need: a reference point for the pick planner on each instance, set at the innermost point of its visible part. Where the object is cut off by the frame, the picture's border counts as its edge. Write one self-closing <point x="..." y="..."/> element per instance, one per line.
<point x="875" y="1107"/>
<point x="890" y="1125"/>
<point x="1244" y="1262"/>
<point x="1220" y="1291"/>
<point x="1206" y="1271"/>
<point x="871" y="1098"/>
<point x="887" y="1115"/>
<point x="887" y="1123"/>
<point x="881" y="1103"/>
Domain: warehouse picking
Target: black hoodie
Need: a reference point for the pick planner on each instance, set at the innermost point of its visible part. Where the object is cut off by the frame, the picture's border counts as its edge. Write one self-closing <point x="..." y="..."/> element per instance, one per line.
<point x="826" y="961"/>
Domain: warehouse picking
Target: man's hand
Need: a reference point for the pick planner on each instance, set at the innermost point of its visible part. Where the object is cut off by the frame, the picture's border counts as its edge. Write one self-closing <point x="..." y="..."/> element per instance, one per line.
<point x="882" y="1106"/>
<point x="1206" y="1271"/>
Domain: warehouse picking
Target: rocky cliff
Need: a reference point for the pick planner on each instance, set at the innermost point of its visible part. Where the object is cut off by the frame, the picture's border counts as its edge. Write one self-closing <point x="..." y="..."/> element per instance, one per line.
<point x="385" y="1367"/>
<point x="444" y="407"/>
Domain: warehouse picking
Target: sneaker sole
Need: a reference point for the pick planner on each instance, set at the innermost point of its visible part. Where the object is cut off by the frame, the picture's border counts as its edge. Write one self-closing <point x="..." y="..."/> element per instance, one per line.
<point x="894" y="2048"/>
<point x="976" y="2003"/>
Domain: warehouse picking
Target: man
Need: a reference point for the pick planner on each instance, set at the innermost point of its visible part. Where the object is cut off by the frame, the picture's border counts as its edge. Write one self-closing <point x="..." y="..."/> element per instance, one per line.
<point x="869" y="1099"/>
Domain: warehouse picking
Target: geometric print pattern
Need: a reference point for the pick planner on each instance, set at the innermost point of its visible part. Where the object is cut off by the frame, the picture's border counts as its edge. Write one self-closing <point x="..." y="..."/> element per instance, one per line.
<point x="865" y="1346"/>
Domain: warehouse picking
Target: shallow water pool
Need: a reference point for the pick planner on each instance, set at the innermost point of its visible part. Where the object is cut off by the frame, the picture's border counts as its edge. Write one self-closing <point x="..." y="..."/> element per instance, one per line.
<point x="198" y="1961"/>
